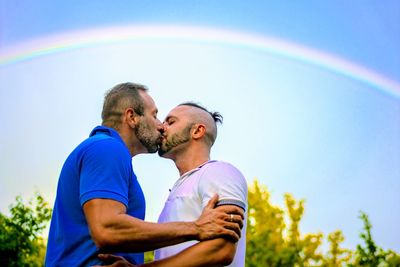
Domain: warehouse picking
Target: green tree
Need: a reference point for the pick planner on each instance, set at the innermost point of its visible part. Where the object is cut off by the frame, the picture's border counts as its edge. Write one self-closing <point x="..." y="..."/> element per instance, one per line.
<point x="265" y="228"/>
<point x="336" y="256"/>
<point x="370" y="254"/>
<point x="273" y="235"/>
<point x="274" y="238"/>
<point x="20" y="241"/>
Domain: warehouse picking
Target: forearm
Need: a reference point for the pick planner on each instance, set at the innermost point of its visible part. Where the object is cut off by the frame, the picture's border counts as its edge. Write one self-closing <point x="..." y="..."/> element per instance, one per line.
<point x="113" y="230"/>
<point x="217" y="252"/>
<point x="128" y="234"/>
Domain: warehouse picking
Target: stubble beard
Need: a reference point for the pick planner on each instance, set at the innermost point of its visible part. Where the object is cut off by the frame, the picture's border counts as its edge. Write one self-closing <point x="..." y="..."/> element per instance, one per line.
<point x="174" y="141"/>
<point x="146" y="137"/>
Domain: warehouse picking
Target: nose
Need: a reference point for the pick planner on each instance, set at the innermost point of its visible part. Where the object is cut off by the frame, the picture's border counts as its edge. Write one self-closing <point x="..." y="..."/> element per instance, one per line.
<point x="160" y="126"/>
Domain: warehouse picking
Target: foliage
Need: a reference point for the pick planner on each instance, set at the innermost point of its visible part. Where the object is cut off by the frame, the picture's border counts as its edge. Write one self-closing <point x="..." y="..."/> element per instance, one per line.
<point x="371" y="254"/>
<point x="336" y="256"/>
<point x="271" y="241"/>
<point x="20" y="243"/>
<point x="274" y="238"/>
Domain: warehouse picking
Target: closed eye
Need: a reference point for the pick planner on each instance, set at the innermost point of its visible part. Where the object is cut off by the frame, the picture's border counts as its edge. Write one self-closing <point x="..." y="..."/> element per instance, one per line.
<point x="170" y="120"/>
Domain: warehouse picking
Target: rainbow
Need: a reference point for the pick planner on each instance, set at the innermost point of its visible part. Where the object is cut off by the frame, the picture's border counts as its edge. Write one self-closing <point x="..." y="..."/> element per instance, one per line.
<point x="103" y="36"/>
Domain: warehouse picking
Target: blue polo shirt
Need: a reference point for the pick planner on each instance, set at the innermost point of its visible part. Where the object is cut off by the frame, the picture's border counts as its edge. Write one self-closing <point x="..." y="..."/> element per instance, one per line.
<point x="100" y="167"/>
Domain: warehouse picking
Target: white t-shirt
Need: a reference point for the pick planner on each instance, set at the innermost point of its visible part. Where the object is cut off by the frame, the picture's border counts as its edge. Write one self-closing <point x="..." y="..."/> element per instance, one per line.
<point x="191" y="194"/>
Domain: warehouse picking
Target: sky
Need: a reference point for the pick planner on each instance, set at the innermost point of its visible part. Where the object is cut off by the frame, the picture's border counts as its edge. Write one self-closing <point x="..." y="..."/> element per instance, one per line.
<point x="309" y="91"/>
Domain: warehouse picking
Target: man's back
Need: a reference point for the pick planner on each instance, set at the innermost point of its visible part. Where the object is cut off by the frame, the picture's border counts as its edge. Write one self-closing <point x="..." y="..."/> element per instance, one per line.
<point x="90" y="172"/>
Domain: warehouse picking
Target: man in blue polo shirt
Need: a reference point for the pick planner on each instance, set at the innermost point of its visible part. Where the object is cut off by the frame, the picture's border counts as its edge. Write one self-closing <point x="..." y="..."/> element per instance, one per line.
<point x="100" y="205"/>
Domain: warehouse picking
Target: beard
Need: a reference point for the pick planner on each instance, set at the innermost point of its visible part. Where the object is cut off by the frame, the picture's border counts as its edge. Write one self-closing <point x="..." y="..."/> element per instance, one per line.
<point x="174" y="140"/>
<point x="149" y="138"/>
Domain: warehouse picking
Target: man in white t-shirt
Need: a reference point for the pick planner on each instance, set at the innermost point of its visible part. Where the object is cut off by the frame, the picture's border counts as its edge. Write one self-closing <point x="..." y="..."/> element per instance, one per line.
<point x="189" y="133"/>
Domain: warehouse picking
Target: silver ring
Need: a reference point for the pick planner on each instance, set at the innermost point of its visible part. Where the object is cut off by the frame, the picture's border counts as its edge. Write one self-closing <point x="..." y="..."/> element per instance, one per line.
<point x="231" y="217"/>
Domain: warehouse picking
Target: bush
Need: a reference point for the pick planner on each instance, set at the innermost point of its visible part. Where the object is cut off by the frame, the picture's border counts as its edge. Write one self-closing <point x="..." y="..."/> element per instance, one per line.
<point x="20" y="241"/>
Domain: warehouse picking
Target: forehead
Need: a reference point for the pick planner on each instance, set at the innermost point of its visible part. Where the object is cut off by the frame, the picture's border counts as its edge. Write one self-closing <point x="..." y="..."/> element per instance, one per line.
<point x="148" y="101"/>
<point x="179" y="112"/>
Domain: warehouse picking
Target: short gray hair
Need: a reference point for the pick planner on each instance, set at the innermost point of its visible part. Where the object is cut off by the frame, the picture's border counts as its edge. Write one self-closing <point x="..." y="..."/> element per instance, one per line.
<point x="119" y="98"/>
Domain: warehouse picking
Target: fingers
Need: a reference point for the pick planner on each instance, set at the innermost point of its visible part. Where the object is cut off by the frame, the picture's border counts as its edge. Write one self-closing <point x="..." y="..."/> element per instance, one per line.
<point x="109" y="258"/>
<point x="212" y="202"/>
<point x="224" y="221"/>
<point x="235" y="227"/>
<point x="234" y="219"/>
<point x="232" y="231"/>
<point x="231" y="209"/>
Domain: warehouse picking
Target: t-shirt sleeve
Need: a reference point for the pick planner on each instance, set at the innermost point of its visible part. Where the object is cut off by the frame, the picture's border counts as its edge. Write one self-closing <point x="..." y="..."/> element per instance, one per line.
<point x="104" y="172"/>
<point x="225" y="180"/>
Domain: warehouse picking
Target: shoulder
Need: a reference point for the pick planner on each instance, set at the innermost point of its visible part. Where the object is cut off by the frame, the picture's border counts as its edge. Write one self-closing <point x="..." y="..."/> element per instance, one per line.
<point x="105" y="143"/>
<point x="97" y="141"/>
<point x="222" y="169"/>
<point x="224" y="179"/>
<point x="102" y="148"/>
<point x="222" y="173"/>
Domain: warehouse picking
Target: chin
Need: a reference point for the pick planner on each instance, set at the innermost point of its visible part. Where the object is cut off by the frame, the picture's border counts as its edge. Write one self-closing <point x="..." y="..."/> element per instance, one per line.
<point x="152" y="150"/>
<point x="163" y="153"/>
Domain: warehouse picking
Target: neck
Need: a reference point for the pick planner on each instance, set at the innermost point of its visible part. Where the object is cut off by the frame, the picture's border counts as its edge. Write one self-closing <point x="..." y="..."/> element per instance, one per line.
<point x="191" y="158"/>
<point x="130" y="140"/>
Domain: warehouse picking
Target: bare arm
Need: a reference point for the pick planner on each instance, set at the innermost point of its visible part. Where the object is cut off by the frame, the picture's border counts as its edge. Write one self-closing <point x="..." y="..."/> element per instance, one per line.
<point x="113" y="230"/>
<point x="216" y="252"/>
<point x="211" y="253"/>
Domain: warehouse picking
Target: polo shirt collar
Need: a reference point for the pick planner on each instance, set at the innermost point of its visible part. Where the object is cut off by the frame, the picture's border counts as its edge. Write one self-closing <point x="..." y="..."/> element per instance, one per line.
<point x="195" y="169"/>
<point x="107" y="131"/>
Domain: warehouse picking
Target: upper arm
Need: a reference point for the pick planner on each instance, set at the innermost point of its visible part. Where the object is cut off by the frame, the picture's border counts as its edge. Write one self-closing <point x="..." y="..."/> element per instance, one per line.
<point x="101" y="214"/>
<point x="103" y="185"/>
<point x="105" y="172"/>
<point x="225" y="180"/>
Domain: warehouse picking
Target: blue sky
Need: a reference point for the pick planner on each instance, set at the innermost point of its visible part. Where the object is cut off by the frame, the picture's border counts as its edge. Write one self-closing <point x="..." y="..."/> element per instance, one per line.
<point x="298" y="127"/>
<point x="366" y="32"/>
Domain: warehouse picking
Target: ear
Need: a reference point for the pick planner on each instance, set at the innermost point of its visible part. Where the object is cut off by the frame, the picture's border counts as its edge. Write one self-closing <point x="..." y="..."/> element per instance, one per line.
<point x="131" y="118"/>
<point x="199" y="130"/>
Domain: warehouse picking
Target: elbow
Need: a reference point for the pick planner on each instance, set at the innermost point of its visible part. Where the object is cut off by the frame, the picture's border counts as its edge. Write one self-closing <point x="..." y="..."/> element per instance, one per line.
<point x="227" y="258"/>
<point x="225" y="255"/>
<point x="100" y="241"/>
<point x="103" y="241"/>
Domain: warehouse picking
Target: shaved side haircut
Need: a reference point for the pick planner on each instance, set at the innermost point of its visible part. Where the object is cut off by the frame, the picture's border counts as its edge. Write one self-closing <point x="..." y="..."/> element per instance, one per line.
<point x="211" y="134"/>
<point x="119" y="98"/>
<point x="217" y="117"/>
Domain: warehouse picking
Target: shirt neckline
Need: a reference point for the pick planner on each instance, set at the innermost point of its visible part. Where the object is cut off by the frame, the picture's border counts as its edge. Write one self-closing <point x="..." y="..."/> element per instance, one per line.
<point x="188" y="173"/>
<point x="108" y="131"/>
<point x="195" y="169"/>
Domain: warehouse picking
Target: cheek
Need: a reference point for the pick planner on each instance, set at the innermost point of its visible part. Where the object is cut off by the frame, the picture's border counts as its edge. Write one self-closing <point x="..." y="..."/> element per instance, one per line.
<point x="151" y="123"/>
